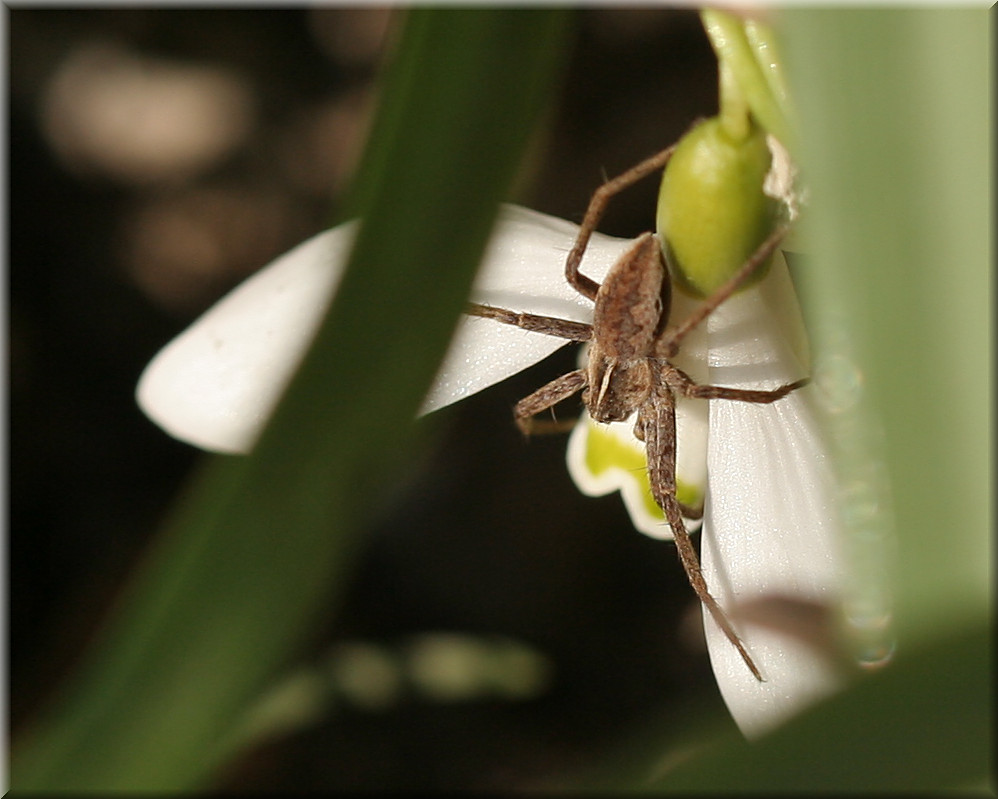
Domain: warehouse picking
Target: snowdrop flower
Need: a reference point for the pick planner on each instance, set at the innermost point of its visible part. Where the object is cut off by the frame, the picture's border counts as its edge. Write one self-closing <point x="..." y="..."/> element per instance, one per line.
<point x="216" y="384"/>
<point x="769" y="542"/>
<point x="768" y="528"/>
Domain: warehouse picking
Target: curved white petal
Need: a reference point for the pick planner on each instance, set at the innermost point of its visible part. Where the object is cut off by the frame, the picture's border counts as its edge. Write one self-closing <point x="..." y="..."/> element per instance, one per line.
<point x="523" y="270"/>
<point x="770" y="526"/>
<point x="216" y="384"/>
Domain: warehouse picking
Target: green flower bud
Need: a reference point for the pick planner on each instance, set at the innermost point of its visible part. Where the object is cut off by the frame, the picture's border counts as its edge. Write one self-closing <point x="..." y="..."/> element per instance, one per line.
<point x="712" y="211"/>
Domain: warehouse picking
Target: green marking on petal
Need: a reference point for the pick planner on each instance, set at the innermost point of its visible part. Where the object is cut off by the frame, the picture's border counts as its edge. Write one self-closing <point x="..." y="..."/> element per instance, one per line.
<point x="605" y="451"/>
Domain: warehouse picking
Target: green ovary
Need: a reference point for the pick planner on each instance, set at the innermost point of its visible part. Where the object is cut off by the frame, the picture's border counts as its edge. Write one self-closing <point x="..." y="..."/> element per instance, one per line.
<point x="712" y="210"/>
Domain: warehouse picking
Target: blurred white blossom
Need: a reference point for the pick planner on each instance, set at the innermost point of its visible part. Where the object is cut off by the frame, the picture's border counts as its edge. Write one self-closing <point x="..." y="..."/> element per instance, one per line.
<point x="140" y="119"/>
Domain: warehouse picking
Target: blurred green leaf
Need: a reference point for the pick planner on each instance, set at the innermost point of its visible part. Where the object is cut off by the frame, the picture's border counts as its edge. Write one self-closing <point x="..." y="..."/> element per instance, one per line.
<point x="895" y="111"/>
<point x="258" y="548"/>
<point x="923" y="724"/>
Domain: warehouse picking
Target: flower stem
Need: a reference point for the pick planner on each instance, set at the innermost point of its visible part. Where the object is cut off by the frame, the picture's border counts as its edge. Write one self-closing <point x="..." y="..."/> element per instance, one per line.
<point x="750" y="74"/>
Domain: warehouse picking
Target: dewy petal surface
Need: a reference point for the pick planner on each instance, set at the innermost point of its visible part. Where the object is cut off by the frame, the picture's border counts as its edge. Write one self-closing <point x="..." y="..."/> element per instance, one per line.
<point x="770" y="526"/>
<point x="216" y="384"/>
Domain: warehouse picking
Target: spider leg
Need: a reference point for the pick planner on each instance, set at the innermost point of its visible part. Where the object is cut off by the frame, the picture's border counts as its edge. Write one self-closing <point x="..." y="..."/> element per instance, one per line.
<point x="586" y="286"/>
<point x="679" y="381"/>
<point x="549" y="325"/>
<point x="547" y="396"/>
<point x="657" y="418"/>
<point x="669" y="344"/>
<point x="760" y="396"/>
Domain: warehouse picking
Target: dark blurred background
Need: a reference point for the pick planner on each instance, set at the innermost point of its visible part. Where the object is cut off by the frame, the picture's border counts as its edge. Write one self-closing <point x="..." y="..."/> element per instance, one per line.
<point x="156" y="158"/>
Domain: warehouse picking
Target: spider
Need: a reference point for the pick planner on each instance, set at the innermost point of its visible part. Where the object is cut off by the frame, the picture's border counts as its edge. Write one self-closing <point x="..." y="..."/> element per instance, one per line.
<point x="628" y="369"/>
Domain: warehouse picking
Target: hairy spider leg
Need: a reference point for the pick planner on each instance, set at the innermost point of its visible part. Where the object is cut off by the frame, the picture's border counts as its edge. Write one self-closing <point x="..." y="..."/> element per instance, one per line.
<point x="679" y="381"/>
<point x="586" y="286"/>
<point x="547" y="396"/>
<point x="535" y="323"/>
<point x="669" y="343"/>
<point x="657" y="422"/>
<point x="554" y="392"/>
<point x="658" y="427"/>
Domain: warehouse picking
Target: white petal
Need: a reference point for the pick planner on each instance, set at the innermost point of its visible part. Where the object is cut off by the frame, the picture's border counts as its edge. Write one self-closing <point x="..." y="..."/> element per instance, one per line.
<point x="523" y="270"/>
<point x="217" y="383"/>
<point x="770" y="526"/>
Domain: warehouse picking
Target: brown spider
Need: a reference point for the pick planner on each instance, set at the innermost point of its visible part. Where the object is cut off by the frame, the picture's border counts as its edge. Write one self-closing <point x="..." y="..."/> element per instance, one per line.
<point x="628" y="369"/>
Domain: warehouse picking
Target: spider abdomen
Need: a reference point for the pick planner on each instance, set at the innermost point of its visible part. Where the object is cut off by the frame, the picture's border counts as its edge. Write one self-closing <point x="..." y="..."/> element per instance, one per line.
<point x="632" y="301"/>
